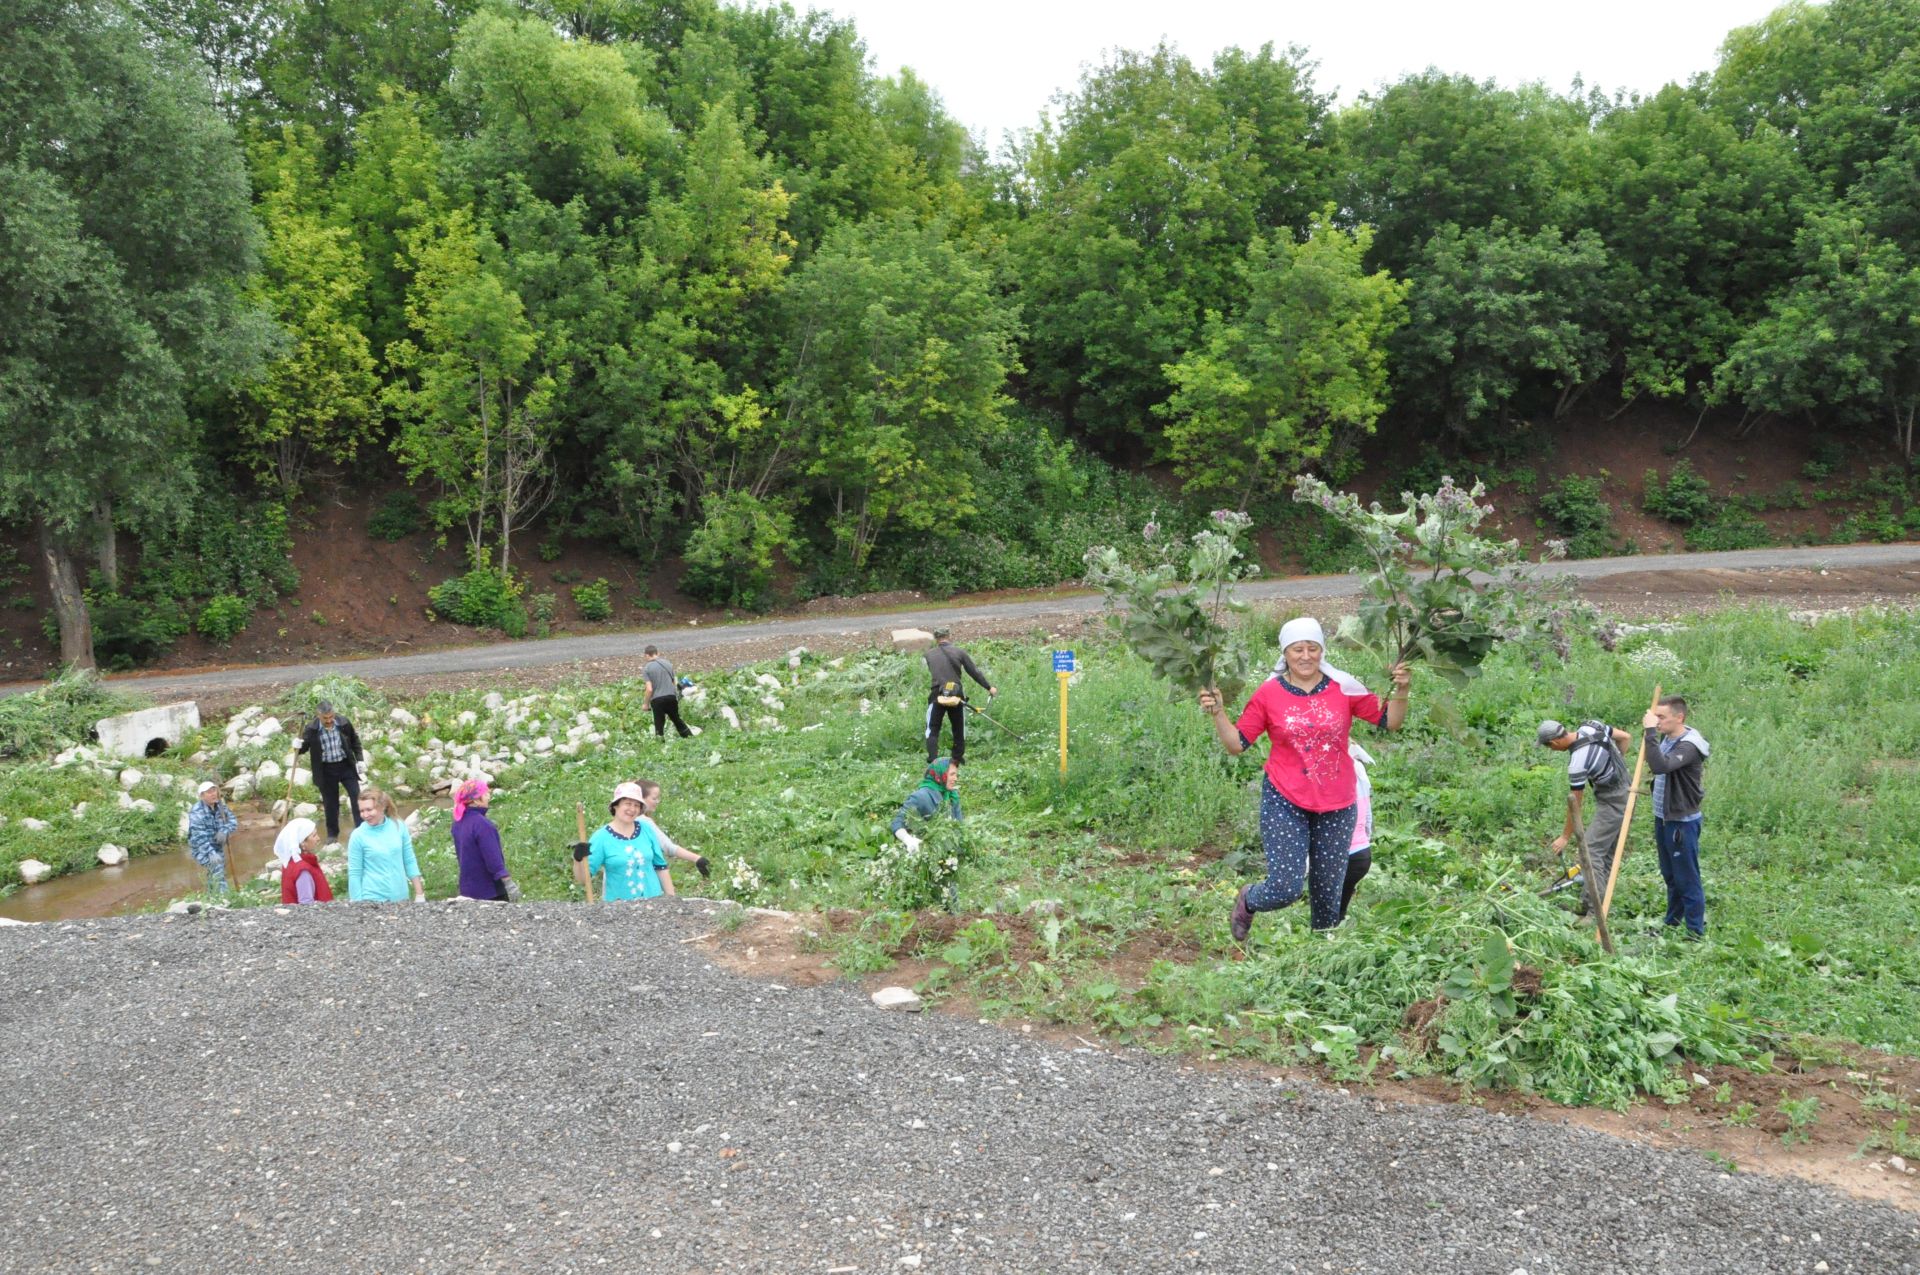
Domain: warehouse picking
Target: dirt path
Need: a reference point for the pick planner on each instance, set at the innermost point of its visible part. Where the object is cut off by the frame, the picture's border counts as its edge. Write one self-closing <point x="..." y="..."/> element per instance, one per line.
<point x="1819" y="578"/>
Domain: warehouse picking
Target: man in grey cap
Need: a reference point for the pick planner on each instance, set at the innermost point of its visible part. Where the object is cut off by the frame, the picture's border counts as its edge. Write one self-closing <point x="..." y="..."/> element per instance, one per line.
<point x="1594" y="762"/>
<point x="337" y="754"/>
<point x="946" y="662"/>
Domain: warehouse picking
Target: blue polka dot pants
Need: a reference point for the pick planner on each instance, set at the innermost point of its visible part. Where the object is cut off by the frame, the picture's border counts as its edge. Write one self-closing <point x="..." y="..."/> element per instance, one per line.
<point x="1293" y="839"/>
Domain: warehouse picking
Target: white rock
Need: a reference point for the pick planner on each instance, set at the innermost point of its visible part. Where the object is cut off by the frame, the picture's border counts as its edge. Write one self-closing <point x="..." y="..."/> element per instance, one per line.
<point x="911" y="639"/>
<point x="281" y="810"/>
<point x="7" y="920"/>
<point x="111" y="855"/>
<point x="897" y="998"/>
<point x="767" y="680"/>
<point x="413" y="823"/>
<point x="467" y="717"/>
<point x="240" y="787"/>
<point x="731" y="718"/>
<point x="774" y="702"/>
<point x="402" y="717"/>
<point x="33" y="872"/>
<point x="911" y="1261"/>
<point x="569" y="749"/>
<point x="267" y="729"/>
<point x="1898" y="1162"/>
<point x="305" y="810"/>
<point x="185" y="907"/>
<point x="267" y="770"/>
<point x="181" y="831"/>
<point x="126" y="799"/>
<point x="544" y="744"/>
<point x="494" y="701"/>
<point x="130" y="778"/>
<point x="141" y="804"/>
<point x="79" y="810"/>
<point x="301" y="777"/>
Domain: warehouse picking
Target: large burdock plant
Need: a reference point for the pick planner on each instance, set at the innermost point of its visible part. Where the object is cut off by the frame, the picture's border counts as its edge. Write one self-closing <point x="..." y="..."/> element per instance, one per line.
<point x="1441" y="592"/>
<point x="1181" y="632"/>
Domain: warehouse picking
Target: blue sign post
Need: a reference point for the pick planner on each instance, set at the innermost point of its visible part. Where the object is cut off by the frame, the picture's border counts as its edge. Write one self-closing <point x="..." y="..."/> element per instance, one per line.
<point x="1063" y="669"/>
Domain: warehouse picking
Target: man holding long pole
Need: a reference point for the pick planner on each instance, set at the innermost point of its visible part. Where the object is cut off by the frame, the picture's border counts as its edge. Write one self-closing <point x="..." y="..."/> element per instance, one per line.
<point x="1677" y="755"/>
<point x="1594" y="763"/>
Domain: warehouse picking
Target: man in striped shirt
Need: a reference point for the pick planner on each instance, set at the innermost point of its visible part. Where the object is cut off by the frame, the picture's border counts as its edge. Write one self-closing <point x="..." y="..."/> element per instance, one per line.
<point x="1593" y="763"/>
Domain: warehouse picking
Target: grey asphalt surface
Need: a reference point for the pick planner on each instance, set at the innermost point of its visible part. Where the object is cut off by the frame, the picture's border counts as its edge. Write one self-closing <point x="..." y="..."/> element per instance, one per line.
<point x="557" y="1088"/>
<point x="570" y="650"/>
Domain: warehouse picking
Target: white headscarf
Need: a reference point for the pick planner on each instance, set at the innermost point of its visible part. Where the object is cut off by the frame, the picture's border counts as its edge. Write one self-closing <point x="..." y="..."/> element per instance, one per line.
<point x="1307" y="629"/>
<point x="286" y="846"/>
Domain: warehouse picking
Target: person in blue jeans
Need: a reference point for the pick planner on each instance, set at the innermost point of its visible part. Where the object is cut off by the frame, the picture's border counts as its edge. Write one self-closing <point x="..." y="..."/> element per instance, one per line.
<point x="1677" y="756"/>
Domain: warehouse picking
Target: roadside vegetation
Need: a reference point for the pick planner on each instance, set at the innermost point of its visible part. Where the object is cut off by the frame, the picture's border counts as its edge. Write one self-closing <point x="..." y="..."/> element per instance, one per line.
<point x="1103" y="902"/>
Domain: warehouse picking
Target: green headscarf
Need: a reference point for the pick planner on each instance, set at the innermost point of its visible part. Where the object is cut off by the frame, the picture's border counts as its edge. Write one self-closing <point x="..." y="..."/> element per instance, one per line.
<point x="936" y="779"/>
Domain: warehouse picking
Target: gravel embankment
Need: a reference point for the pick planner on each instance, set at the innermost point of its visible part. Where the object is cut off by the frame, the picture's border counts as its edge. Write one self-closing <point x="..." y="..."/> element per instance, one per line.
<point x="553" y="1088"/>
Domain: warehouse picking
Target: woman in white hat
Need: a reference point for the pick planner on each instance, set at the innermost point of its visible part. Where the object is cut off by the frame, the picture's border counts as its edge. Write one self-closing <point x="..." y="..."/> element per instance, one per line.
<point x="1306" y="711"/>
<point x="626" y="849"/>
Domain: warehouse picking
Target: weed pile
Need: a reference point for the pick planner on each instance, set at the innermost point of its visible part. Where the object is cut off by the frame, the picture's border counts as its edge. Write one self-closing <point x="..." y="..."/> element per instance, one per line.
<point x="62" y="713"/>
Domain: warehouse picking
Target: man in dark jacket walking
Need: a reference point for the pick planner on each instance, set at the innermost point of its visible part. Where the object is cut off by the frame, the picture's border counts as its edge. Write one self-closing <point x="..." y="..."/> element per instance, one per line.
<point x="1677" y="756"/>
<point x="335" y="746"/>
<point x="947" y="662"/>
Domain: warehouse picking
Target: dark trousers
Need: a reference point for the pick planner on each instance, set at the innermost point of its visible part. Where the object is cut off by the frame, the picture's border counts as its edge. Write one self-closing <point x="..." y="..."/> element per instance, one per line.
<point x="330" y="777"/>
<point x="667" y="708"/>
<point x="954" y="713"/>
<point x="1298" y="842"/>
<point x="1358" y="865"/>
<point x="1679" y="843"/>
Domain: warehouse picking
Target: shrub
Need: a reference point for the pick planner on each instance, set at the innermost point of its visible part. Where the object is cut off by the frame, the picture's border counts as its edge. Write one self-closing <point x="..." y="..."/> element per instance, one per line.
<point x="1734" y="528"/>
<point x="1576" y="509"/>
<point x="223" y="618"/>
<point x="129" y="632"/>
<point x="483" y="598"/>
<point x="398" y="517"/>
<point x="730" y="555"/>
<point x="1829" y="454"/>
<point x="1684" y="498"/>
<point x="550" y="550"/>
<point x="226" y="545"/>
<point x="594" y="600"/>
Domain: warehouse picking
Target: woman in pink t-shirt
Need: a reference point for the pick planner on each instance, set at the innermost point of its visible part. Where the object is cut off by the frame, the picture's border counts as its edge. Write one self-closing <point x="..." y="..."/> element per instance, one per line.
<point x="1306" y="711"/>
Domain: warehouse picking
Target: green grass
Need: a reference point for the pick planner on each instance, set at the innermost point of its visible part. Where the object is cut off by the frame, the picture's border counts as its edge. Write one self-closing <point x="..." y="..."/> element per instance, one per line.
<point x="1809" y="852"/>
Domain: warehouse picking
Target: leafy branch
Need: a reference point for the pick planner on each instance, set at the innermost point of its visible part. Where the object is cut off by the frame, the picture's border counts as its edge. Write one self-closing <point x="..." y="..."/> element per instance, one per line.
<point x="1181" y="632"/>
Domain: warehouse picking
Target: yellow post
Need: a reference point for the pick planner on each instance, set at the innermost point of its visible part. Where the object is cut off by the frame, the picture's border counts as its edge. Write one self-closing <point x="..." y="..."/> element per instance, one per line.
<point x="1064" y="679"/>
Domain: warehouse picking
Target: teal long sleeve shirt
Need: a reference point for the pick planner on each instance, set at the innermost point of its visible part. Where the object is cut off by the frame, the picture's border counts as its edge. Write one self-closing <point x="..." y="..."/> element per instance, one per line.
<point x="380" y="863"/>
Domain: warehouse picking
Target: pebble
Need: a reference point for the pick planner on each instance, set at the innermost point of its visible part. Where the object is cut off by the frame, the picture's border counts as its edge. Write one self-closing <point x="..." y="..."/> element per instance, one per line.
<point x="897" y="998"/>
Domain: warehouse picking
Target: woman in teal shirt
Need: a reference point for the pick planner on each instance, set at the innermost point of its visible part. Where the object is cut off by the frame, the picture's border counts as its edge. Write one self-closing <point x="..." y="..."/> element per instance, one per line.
<point x="380" y="861"/>
<point x="626" y="850"/>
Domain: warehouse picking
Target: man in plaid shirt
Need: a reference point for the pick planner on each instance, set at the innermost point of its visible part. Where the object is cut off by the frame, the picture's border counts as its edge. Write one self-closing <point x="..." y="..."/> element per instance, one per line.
<point x="335" y="746"/>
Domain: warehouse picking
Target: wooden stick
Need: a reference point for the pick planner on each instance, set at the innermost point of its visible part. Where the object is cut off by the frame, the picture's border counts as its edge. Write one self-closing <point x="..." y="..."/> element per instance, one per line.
<point x="1626" y="824"/>
<point x="1586" y="868"/>
<point x="580" y="826"/>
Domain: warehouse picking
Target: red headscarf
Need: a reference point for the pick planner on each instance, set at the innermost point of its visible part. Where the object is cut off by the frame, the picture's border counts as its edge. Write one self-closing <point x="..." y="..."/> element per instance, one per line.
<point x="474" y="790"/>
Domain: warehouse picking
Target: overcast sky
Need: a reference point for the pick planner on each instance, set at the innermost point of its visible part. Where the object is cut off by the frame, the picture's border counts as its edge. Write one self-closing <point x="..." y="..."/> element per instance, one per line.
<point x="997" y="62"/>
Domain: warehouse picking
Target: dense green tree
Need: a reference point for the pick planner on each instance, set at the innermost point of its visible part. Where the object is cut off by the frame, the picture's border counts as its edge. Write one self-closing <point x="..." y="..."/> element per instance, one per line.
<point x="320" y="392"/>
<point x="898" y="349"/>
<point x="1302" y="361"/>
<point x="1140" y="201"/>
<point x="1844" y="338"/>
<point x="1699" y="223"/>
<point x="331" y="62"/>
<point x="1499" y="318"/>
<point x="124" y="250"/>
<point x="477" y="395"/>
<point x="1434" y="150"/>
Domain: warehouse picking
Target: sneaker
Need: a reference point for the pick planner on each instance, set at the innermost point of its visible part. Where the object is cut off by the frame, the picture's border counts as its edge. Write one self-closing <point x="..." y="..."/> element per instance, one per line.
<point x="1242" y="923"/>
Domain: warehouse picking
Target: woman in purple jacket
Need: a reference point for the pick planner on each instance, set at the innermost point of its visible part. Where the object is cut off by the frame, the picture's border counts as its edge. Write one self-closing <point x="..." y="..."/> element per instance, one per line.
<point x="476" y="844"/>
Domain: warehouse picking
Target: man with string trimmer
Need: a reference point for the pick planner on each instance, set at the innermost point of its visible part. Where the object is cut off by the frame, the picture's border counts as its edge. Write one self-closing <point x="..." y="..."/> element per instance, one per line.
<point x="1594" y="764"/>
<point x="947" y="663"/>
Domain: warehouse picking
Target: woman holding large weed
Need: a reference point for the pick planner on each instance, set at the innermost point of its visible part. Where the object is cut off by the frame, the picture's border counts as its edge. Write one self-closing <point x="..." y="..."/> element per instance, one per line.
<point x="1307" y="805"/>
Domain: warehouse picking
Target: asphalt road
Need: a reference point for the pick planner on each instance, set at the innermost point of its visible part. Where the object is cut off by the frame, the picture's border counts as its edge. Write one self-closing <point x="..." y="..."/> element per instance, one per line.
<point x="561" y="1088"/>
<point x="569" y="650"/>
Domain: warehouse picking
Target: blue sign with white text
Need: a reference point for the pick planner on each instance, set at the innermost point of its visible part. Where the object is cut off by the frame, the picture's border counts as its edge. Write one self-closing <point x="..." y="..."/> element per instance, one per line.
<point x="1063" y="661"/>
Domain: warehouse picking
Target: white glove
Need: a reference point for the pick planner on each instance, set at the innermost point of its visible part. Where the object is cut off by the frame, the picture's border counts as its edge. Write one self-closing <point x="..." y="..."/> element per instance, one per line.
<point x="907" y="839"/>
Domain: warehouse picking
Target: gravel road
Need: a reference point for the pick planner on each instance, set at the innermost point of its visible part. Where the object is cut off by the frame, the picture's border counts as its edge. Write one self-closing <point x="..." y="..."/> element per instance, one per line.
<point x="757" y="640"/>
<point x="554" y="1088"/>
